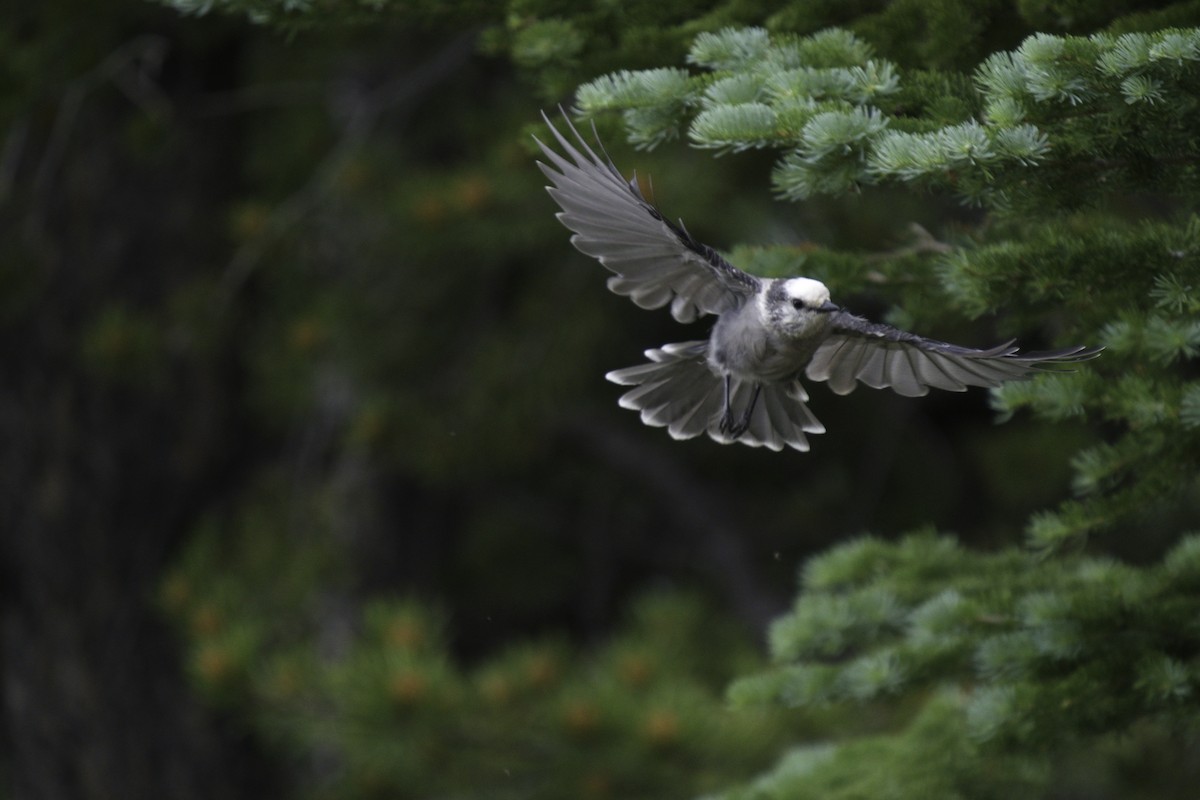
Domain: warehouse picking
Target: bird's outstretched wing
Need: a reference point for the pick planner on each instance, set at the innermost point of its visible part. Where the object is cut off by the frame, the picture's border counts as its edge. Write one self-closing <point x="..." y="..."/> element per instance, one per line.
<point x="882" y="357"/>
<point x="656" y="261"/>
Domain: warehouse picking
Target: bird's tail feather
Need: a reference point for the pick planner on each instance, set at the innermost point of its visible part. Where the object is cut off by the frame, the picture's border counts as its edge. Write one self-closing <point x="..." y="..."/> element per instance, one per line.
<point x="679" y="391"/>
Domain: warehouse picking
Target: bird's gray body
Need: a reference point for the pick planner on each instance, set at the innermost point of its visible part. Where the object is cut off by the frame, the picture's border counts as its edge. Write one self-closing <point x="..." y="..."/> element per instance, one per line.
<point x="743" y="382"/>
<point x="759" y="339"/>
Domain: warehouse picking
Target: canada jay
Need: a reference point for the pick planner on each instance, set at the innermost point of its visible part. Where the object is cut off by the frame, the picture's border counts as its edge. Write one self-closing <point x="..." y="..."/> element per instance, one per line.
<point x="742" y="383"/>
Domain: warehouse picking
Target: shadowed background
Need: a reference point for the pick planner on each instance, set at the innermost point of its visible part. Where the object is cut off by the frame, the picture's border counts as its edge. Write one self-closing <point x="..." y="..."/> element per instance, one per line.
<point x="299" y="369"/>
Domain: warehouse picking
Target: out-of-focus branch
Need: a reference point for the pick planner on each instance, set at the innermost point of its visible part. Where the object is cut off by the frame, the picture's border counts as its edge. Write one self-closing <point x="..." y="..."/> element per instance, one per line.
<point x="360" y="113"/>
<point x="128" y="68"/>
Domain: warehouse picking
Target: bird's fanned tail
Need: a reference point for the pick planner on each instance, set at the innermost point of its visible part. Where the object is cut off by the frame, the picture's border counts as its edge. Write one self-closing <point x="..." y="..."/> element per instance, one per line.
<point x="677" y="390"/>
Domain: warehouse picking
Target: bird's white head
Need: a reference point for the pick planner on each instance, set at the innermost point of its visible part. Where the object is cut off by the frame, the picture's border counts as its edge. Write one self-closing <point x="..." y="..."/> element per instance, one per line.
<point x="796" y="307"/>
<point x="810" y="293"/>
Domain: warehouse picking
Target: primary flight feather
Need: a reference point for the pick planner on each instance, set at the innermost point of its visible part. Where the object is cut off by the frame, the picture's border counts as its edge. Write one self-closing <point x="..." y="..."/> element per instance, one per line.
<point x="743" y="382"/>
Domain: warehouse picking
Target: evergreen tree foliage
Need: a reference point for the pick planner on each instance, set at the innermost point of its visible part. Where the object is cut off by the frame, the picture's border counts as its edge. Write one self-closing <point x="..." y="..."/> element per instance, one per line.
<point x="385" y="701"/>
<point x="560" y="45"/>
<point x="844" y="123"/>
<point x="1018" y="657"/>
<point x="298" y="15"/>
<point x="1116" y="108"/>
<point x="1021" y="658"/>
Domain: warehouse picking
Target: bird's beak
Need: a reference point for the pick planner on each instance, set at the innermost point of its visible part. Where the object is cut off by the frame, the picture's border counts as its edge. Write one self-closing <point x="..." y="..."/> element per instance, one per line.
<point x="828" y="307"/>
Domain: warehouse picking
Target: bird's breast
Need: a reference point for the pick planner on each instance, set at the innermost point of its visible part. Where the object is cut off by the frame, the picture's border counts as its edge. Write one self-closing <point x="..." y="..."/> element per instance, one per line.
<point x="744" y="347"/>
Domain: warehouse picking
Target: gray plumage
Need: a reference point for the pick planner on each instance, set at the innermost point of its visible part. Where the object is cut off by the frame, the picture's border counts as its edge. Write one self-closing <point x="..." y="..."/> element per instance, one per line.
<point x="743" y="382"/>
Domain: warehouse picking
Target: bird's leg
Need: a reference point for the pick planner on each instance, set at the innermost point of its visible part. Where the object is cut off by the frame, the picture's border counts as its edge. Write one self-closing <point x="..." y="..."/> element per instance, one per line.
<point x="735" y="429"/>
<point x="744" y="423"/>
<point x="727" y="424"/>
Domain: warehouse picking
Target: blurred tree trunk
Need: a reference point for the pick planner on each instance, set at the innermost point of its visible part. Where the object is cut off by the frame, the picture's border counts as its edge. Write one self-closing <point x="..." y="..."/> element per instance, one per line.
<point x="113" y="430"/>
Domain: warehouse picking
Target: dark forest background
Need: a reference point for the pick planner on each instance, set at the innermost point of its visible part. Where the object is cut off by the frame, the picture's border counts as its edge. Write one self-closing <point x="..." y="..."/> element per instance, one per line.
<point x="312" y="483"/>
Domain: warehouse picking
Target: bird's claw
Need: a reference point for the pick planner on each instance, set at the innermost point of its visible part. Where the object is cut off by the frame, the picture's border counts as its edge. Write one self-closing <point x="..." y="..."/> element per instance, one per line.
<point x="730" y="427"/>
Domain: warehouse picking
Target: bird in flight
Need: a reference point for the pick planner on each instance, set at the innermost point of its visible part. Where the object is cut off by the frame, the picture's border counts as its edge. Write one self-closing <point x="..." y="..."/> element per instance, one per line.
<point x="742" y="384"/>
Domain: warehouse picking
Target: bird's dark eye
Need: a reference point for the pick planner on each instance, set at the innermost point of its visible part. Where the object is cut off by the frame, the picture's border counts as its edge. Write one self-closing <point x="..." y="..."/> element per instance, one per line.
<point x="797" y="304"/>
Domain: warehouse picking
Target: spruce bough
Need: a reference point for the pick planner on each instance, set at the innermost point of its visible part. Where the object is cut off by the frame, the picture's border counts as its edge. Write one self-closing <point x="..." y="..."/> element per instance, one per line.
<point x="1002" y="666"/>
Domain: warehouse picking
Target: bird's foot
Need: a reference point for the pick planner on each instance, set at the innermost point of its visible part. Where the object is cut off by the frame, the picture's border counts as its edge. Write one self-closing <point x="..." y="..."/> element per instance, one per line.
<point x="733" y="428"/>
<point x="727" y="425"/>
